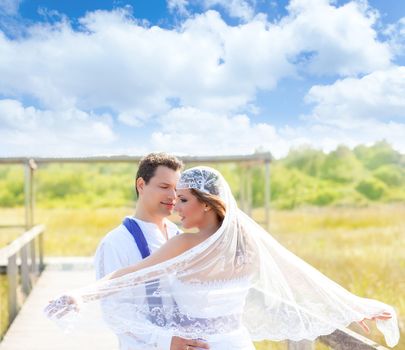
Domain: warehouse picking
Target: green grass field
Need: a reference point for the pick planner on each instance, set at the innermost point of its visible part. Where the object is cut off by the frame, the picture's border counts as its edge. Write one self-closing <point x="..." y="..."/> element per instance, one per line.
<point x="362" y="249"/>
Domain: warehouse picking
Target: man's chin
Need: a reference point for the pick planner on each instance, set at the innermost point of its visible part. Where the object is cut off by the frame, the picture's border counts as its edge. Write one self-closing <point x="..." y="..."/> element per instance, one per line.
<point x="167" y="212"/>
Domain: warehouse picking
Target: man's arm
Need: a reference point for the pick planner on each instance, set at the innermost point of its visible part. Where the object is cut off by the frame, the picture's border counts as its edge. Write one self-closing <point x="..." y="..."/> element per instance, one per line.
<point x="107" y="259"/>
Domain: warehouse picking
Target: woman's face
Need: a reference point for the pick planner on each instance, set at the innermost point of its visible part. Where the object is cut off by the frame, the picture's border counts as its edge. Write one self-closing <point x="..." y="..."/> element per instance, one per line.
<point x="191" y="211"/>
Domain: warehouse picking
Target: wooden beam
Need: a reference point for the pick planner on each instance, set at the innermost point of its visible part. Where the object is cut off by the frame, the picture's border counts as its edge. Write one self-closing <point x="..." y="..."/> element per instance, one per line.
<point x="260" y="157"/>
<point x="16" y="245"/>
<point x="346" y="339"/>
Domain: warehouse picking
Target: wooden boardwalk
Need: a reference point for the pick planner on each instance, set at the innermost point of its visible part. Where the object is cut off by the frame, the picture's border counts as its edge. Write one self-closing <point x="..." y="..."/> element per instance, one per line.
<point x="31" y="330"/>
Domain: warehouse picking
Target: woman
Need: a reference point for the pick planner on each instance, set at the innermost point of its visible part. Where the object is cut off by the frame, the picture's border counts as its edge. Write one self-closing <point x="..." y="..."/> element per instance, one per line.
<point x="229" y="284"/>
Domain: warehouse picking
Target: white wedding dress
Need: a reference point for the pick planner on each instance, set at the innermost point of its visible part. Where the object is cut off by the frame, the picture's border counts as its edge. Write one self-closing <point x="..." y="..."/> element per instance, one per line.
<point x="219" y="305"/>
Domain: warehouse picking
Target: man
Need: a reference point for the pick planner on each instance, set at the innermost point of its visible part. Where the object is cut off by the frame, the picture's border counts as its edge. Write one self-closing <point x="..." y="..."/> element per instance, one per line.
<point x="155" y="186"/>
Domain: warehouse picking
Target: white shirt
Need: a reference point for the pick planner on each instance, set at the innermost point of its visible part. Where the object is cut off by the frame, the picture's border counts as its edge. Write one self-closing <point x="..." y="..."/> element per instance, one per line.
<point x="117" y="250"/>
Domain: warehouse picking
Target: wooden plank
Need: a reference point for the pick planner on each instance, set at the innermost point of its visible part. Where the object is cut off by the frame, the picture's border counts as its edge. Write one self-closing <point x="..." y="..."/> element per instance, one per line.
<point x="345" y="339"/>
<point x="32" y="330"/>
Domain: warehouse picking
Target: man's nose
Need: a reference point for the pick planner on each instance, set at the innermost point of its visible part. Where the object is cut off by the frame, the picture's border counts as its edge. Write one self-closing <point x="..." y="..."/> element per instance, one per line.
<point x="172" y="193"/>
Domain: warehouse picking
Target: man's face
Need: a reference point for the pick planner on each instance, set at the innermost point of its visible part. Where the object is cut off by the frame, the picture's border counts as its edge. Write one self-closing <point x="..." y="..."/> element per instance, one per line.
<point x="159" y="195"/>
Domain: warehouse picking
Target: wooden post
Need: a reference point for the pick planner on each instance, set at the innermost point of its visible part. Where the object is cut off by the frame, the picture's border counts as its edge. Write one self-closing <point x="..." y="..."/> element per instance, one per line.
<point x="29" y="167"/>
<point x="12" y="272"/>
<point x="33" y="167"/>
<point x="300" y="345"/>
<point x="267" y="194"/>
<point x="27" y="199"/>
<point x="243" y="188"/>
<point x="41" y="252"/>
<point x="249" y="190"/>
<point x="34" y="265"/>
<point x="25" y="274"/>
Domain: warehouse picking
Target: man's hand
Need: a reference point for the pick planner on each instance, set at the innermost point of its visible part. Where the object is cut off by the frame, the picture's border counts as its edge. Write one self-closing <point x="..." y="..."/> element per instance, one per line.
<point x="187" y="344"/>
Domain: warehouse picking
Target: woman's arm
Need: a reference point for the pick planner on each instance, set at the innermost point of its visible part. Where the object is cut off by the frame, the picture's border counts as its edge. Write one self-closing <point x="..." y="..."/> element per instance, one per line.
<point x="172" y="248"/>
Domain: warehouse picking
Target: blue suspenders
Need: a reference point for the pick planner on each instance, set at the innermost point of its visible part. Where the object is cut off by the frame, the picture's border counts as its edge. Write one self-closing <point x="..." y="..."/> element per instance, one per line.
<point x="155" y="301"/>
<point x="136" y="232"/>
<point x="152" y="286"/>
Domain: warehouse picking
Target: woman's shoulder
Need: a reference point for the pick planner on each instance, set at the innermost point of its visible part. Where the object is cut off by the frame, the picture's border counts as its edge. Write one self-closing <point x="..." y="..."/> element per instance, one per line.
<point x="189" y="240"/>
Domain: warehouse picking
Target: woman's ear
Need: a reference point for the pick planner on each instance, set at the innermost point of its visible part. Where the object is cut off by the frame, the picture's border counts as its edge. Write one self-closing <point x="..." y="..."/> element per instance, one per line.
<point x="207" y="207"/>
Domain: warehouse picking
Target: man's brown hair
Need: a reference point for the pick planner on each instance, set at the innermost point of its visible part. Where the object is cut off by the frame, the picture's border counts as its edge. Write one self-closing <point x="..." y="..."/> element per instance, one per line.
<point x="148" y="165"/>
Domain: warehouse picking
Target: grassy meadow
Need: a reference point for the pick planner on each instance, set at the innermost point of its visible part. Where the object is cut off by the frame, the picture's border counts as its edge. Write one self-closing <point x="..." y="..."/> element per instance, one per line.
<point x="360" y="248"/>
<point x="342" y="211"/>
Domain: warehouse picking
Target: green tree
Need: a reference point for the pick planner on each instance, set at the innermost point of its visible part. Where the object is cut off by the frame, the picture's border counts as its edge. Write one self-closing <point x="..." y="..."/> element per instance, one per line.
<point x="391" y="174"/>
<point x="306" y="159"/>
<point x="342" y="166"/>
<point x="371" y="188"/>
<point x="381" y="153"/>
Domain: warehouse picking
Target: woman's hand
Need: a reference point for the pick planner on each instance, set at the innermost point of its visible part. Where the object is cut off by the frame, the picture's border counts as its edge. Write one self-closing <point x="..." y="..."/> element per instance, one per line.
<point x="384" y="316"/>
<point x="61" y="306"/>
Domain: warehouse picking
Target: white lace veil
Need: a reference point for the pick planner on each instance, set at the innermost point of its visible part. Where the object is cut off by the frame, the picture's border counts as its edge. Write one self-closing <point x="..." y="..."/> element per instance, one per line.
<point x="240" y="277"/>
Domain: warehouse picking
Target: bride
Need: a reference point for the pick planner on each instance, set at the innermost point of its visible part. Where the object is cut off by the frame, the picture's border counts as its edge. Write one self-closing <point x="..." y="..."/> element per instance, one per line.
<point x="229" y="284"/>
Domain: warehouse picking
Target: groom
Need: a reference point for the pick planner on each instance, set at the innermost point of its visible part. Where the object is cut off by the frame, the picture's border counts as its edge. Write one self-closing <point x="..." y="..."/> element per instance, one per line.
<point x="155" y="186"/>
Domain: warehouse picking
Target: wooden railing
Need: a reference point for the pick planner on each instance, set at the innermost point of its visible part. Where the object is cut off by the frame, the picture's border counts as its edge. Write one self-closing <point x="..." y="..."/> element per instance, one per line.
<point x="344" y="339"/>
<point x="24" y="257"/>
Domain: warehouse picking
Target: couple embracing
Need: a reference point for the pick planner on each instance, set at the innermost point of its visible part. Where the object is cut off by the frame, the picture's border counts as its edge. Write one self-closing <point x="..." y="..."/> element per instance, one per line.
<point x="221" y="287"/>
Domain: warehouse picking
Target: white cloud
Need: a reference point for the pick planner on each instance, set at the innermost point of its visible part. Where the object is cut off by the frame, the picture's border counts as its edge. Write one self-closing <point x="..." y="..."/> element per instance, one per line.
<point x="242" y="9"/>
<point x="188" y="131"/>
<point x="199" y="80"/>
<point x="328" y="137"/>
<point x="30" y="131"/>
<point x="179" y="6"/>
<point x="396" y="34"/>
<point x="191" y="131"/>
<point x="335" y="40"/>
<point x="116" y="62"/>
<point x="378" y="95"/>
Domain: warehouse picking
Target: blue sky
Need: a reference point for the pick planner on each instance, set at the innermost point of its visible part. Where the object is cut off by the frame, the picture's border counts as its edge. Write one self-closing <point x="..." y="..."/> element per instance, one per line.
<point x="199" y="76"/>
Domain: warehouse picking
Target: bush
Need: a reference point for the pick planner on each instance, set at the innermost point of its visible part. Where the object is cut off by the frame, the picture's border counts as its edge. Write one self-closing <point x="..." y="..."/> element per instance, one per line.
<point x="325" y="197"/>
<point x="342" y="166"/>
<point x="381" y="153"/>
<point x="371" y="188"/>
<point x="391" y="175"/>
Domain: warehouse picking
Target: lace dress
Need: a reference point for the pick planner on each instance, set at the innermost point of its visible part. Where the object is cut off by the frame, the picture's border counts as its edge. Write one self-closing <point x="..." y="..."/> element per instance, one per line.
<point x="218" y="305"/>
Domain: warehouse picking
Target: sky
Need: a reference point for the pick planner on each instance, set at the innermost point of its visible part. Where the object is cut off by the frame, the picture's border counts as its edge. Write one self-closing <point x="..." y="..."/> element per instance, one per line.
<point x="199" y="77"/>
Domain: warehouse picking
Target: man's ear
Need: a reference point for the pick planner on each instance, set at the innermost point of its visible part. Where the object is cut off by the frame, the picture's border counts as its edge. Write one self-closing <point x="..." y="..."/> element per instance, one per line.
<point x="140" y="184"/>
